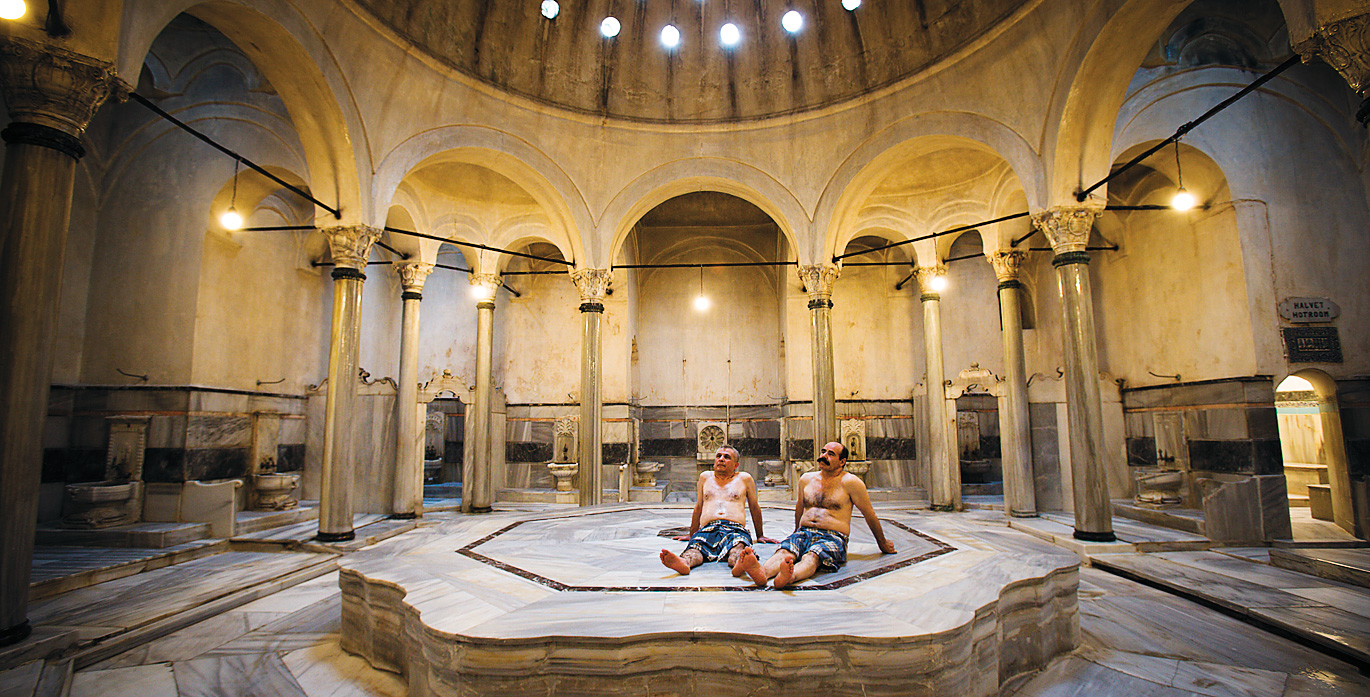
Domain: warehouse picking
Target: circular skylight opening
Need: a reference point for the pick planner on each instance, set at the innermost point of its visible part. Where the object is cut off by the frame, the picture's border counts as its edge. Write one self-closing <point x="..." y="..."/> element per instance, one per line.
<point x="730" y="35"/>
<point x="850" y="5"/>
<point x="792" y="21"/>
<point x="609" y="27"/>
<point x="670" y="36"/>
<point x="550" y="9"/>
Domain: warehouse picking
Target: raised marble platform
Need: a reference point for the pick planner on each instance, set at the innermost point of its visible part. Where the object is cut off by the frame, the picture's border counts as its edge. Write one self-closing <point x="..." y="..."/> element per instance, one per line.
<point x="576" y="602"/>
<point x="1346" y="565"/>
<point x="145" y="535"/>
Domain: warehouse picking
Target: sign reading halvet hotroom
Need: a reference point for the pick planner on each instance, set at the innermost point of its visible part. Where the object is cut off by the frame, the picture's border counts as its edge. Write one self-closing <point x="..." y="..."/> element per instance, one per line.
<point x="1309" y="310"/>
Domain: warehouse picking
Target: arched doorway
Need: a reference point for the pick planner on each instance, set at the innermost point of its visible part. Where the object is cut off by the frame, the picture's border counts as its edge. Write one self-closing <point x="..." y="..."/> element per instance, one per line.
<point x="1314" y="451"/>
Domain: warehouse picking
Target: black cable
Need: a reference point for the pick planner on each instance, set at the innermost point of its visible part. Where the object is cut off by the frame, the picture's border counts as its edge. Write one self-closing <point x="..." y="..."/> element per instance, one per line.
<point x="954" y="230"/>
<point x="477" y="246"/>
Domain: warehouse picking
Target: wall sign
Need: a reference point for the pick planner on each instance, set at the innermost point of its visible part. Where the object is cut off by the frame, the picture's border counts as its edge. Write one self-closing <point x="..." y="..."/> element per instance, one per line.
<point x="1308" y="310"/>
<point x="1312" y="344"/>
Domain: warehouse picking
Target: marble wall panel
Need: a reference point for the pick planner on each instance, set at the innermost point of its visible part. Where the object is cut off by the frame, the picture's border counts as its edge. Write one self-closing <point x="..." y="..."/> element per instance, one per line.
<point x="1236" y="456"/>
<point x="799" y="429"/>
<point x="799" y="448"/>
<point x="1141" y="452"/>
<point x="653" y="448"/>
<point x="763" y="411"/>
<point x="219" y="402"/>
<point x="515" y="451"/>
<point x="164" y="465"/>
<point x="890" y="428"/>
<point x="71" y="465"/>
<point x="56" y="430"/>
<point x="1358" y="458"/>
<point x="215" y="463"/>
<point x="655" y="430"/>
<point x="293" y="430"/>
<point x="167" y="431"/>
<point x="89" y="431"/>
<point x="616" y="431"/>
<point x="663" y="413"/>
<point x="1216" y="424"/>
<point x="615" y="454"/>
<point x="891" y="448"/>
<point x="1046" y="457"/>
<point x="146" y="400"/>
<point x="1262" y="423"/>
<point x="891" y="474"/>
<point x="758" y="448"/>
<point x="218" y="431"/>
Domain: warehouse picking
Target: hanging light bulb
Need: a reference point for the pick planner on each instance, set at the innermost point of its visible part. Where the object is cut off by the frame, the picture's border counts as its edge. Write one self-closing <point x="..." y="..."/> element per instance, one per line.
<point x="730" y="35"/>
<point x="609" y="28"/>
<point x="670" y="36"/>
<point x="482" y="291"/>
<point x="792" y="21"/>
<point x="939" y="283"/>
<point x="231" y="220"/>
<point x="701" y="301"/>
<point x="1183" y="200"/>
<point x="12" y="9"/>
<point x="550" y="9"/>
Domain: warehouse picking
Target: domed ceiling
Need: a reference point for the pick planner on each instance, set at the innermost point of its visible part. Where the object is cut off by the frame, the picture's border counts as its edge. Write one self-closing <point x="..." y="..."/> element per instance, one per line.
<point x="565" y="61"/>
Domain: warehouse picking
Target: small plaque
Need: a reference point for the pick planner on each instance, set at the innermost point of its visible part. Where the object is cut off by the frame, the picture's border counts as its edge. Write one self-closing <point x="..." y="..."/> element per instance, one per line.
<point x="1312" y="344"/>
<point x="1309" y="310"/>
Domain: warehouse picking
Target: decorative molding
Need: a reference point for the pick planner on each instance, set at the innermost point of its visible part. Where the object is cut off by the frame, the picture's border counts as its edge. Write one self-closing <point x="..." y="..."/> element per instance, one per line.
<point x="592" y="284"/>
<point x="854" y="437"/>
<point x="1008" y="264"/>
<point x="1344" y="45"/>
<point x="925" y="276"/>
<point x="818" y="280"/>
<point x="1067" y="227"/>
<point x="712" y="435"/>
<point x="413" y="274"/>
<point x="54" y="87"/>
<point x="350" y="245"/>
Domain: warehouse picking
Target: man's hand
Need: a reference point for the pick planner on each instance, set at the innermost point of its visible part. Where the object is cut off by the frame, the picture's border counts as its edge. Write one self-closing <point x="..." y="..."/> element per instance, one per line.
<point x="887" y="547"/>
<point x="767" y="541"/>
<point x="681" y="538"/>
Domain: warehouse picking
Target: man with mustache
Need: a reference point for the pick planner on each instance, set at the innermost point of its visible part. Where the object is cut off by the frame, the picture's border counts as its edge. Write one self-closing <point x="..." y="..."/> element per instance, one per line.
<point x="718" y="527"/>
<point x="822" y="522"/>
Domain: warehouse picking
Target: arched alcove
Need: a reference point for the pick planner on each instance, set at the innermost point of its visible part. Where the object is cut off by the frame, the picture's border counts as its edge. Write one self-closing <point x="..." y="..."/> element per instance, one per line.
<point x="1314" y="452"/>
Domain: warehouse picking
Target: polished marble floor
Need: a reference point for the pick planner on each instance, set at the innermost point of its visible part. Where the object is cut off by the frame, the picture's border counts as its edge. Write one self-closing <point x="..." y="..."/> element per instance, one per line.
<point x="1135" y="640"/>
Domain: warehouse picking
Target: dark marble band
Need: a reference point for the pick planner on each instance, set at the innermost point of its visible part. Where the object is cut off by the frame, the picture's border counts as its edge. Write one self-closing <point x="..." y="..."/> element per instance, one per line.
<point x="411" y="295"/>
<point x="485" y="305"/>
<point x="929" y="296"/>
<point x="403" y="516"/>
<point x="1088" y="536"/>
<point x="15" y="634"/>
<point x="820" y="304"/>
<point x="1006" y="285"/>
<point x="942" y="508"/>
<point x="1020" y="514"/>
<point x="1065" y="258"/>
<point x="592" y="307"/>
<point x="336" y="536"/>
<point x="341" y="272"/>
<point x="22" y="132"/>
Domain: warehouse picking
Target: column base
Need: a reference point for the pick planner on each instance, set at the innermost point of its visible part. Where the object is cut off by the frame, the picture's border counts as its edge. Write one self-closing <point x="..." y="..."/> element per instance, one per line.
<point x="15" y="634"/>
<point x="480" y="509"/>
<point x="1095" y="536"/>
<point x="336" y="536"/>
<point x="943" y="507"/>
<point x="1021" y="514"/>
<point x="403" y="516"/>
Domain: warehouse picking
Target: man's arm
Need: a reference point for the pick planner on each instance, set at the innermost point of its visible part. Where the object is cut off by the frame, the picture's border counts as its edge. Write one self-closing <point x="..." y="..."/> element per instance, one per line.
<point x="752" y="505"/>
<point x="799" y="501"/>
<point x="856" y="490"/>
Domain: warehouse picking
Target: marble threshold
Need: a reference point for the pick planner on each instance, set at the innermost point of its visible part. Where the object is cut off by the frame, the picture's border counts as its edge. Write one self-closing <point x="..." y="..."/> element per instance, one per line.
<point x="1344" y="565"/>
<point x="58" y="570"/>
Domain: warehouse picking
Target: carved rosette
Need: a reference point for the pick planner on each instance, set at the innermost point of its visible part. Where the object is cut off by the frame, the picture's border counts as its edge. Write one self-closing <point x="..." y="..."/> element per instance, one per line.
<point x="350" y="245"/>
<point x="54" y="87"/>
<point x="592" y="284"/>
<point x="926" y="275"/>
<point x="1008" y="264"/>
<point x="1344" y="45"/>
<point x="1067" y="227"/>
<point x="818" y="280"/>
<point x="413" y="274"/>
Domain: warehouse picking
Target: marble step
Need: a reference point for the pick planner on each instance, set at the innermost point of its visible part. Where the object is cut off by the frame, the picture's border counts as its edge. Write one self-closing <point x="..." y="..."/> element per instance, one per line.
<point x="1317" y="612"/>
<point x="1345" y="565"/>
<point x="62" y="569"/>
<point x="256" y="521"/>
<point x="146" y="535"/>
<point x="1185" y="519"/>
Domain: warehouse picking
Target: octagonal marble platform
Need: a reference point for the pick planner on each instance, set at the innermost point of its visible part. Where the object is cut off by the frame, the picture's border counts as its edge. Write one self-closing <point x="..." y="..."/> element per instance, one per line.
<point x="576" y="602"/>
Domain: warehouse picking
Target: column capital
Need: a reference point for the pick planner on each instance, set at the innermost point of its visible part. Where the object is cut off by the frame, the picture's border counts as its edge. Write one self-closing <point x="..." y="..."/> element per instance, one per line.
<point x="818" y="280"/>
<point x="1344" y="45"/>
<point x="593" y="284"/>
<point x="1067" y="227"/>
<point x="412" y="275"/>
<point x="926" y="276"/>
<point x="350" y="245"/>
<point x="53" y="87"/>
<point x="1008" y="264"/>
<point x="487" y="284"/>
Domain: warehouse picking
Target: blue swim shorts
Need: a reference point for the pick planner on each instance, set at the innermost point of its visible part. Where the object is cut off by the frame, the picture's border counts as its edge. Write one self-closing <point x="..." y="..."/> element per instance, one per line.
<point x="829" y="545"/>
<point x="717" y="537"/>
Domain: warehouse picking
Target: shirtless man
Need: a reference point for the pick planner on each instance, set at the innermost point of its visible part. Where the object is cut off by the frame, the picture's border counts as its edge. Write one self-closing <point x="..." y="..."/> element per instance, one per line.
<point x="822" y="522"/>
<point x="718" y="526"/>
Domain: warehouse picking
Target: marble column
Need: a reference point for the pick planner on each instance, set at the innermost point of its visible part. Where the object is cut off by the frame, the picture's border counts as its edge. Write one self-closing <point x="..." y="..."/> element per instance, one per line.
<point x="351" y="247"/>
<point x="476" y="495"/>
<point x="1345" y="45"/>
<point x="51" y="95"/>
<point x="408" y="501"/>
<point x="1020" y="501"/>
<point x="945" y="491"/>
<point x="592" y="284"/>
<point x="1067" y="229"/>
<point x="818" y="280"/>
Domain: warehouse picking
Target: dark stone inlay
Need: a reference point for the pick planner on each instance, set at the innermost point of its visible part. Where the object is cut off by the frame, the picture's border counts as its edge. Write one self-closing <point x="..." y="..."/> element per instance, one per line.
<point x="216" y="463"/>
<point x="72" y="465"/>
<point x="1236" y="456"/>
<point x="760" y="448"/>
<point x="1358" y="458"/>
<point x="1141" y="452"/>
<point x="290" y="458"/>
<point x="527" y="452"/>
<point x="453" y="451"/>
<point x="614" y="453"/>
<point x="25" y="133"/>
<point x="802" y="449"/>
<point x="469" y="552"/>
<point x="1067" y="258"/>
<point x="667" y="447"/>
<point x="889" y="449"/>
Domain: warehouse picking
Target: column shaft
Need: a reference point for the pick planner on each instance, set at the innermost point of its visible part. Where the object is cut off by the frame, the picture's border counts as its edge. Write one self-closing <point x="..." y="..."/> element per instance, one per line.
<point x="475" y="489"/>
<point x="408" y="500"/>
<point x="335" y="494"/>
<point x="1020" y="499"/>
<point x="946" y="480"/>
<point x="591" y="407"/>
<point x="824" y="384"/>
<point x="1093" y="511"/>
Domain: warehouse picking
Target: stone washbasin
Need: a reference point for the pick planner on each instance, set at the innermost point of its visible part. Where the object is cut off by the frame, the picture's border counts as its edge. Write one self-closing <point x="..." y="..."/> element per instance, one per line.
<point x="100" y="492"/>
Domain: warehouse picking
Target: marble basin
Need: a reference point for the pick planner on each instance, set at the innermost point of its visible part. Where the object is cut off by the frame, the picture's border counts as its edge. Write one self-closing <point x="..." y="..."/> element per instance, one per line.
<point x="100" y="492"/>
<point x="275" y="482"/>
<point x="272" y="491"/>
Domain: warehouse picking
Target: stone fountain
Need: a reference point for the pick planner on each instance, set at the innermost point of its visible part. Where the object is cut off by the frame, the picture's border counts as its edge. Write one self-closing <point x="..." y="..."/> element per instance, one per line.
<point x="118" y="500"/>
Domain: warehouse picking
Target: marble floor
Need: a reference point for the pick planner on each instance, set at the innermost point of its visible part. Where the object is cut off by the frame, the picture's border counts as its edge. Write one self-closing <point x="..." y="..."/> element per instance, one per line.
<point x="1134" y="640"/>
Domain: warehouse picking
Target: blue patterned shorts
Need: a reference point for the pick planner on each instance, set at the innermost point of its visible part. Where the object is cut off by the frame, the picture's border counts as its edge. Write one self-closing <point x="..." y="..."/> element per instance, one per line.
<point x="829" y="545"/>
<point x="718" y="537"/>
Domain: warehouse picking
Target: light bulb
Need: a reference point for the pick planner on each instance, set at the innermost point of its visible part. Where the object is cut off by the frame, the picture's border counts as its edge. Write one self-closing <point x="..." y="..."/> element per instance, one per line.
<point x="850" y="5"/>
<point x="12" y="9"/>
<point x="550" y="9"/>
<point x="939" y="284"/>
<point x="1183" y="200"/>
<point x="482" y="291"/>
<point x="792" y="21"/>
<point x="609" y="27"/>
<point x="670" y="36"/>
<point x="701" y="302"/>
<point x="729" y="34"/>
<point x="231" y="220"/>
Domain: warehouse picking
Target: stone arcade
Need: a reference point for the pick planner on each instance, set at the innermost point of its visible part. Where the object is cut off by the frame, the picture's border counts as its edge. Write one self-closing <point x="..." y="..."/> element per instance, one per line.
<point x="502" y="271"/>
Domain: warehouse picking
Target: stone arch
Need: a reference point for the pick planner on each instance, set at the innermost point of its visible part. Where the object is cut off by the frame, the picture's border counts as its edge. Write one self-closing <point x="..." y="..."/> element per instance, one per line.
<point x="293" y="56"/>
<point x="1333" y="444"/>
<point x="700" y="174"/>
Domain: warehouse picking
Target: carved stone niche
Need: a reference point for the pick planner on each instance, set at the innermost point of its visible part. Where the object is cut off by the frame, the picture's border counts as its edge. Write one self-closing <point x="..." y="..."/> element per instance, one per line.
<point x="564" y="440"/>
<point x="854" y="437"/>
<point x="712" y="436"/>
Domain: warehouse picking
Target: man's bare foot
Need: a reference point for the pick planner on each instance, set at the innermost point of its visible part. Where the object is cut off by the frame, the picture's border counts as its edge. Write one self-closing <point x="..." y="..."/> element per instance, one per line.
<point x="674" y="563"/>
<point x="741" y="559"/>
<point x="748" y="564"/>
<point x="782" y="579"/>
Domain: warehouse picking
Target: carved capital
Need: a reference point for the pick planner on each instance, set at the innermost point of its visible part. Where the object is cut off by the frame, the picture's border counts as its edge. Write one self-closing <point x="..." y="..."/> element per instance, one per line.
<point x="818" y="280"/>
<point x="488" y="283"/>
<point x="1067" y="227"/>
<point x="413" y="274"/>
<point x="1008" y="264"/>
<point x="1344" y="45"/>
<point x="592" y="284"/>
<point x="926" y="276"/>
<point x="54" y="87"/>
<point x="350" y="244"/>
